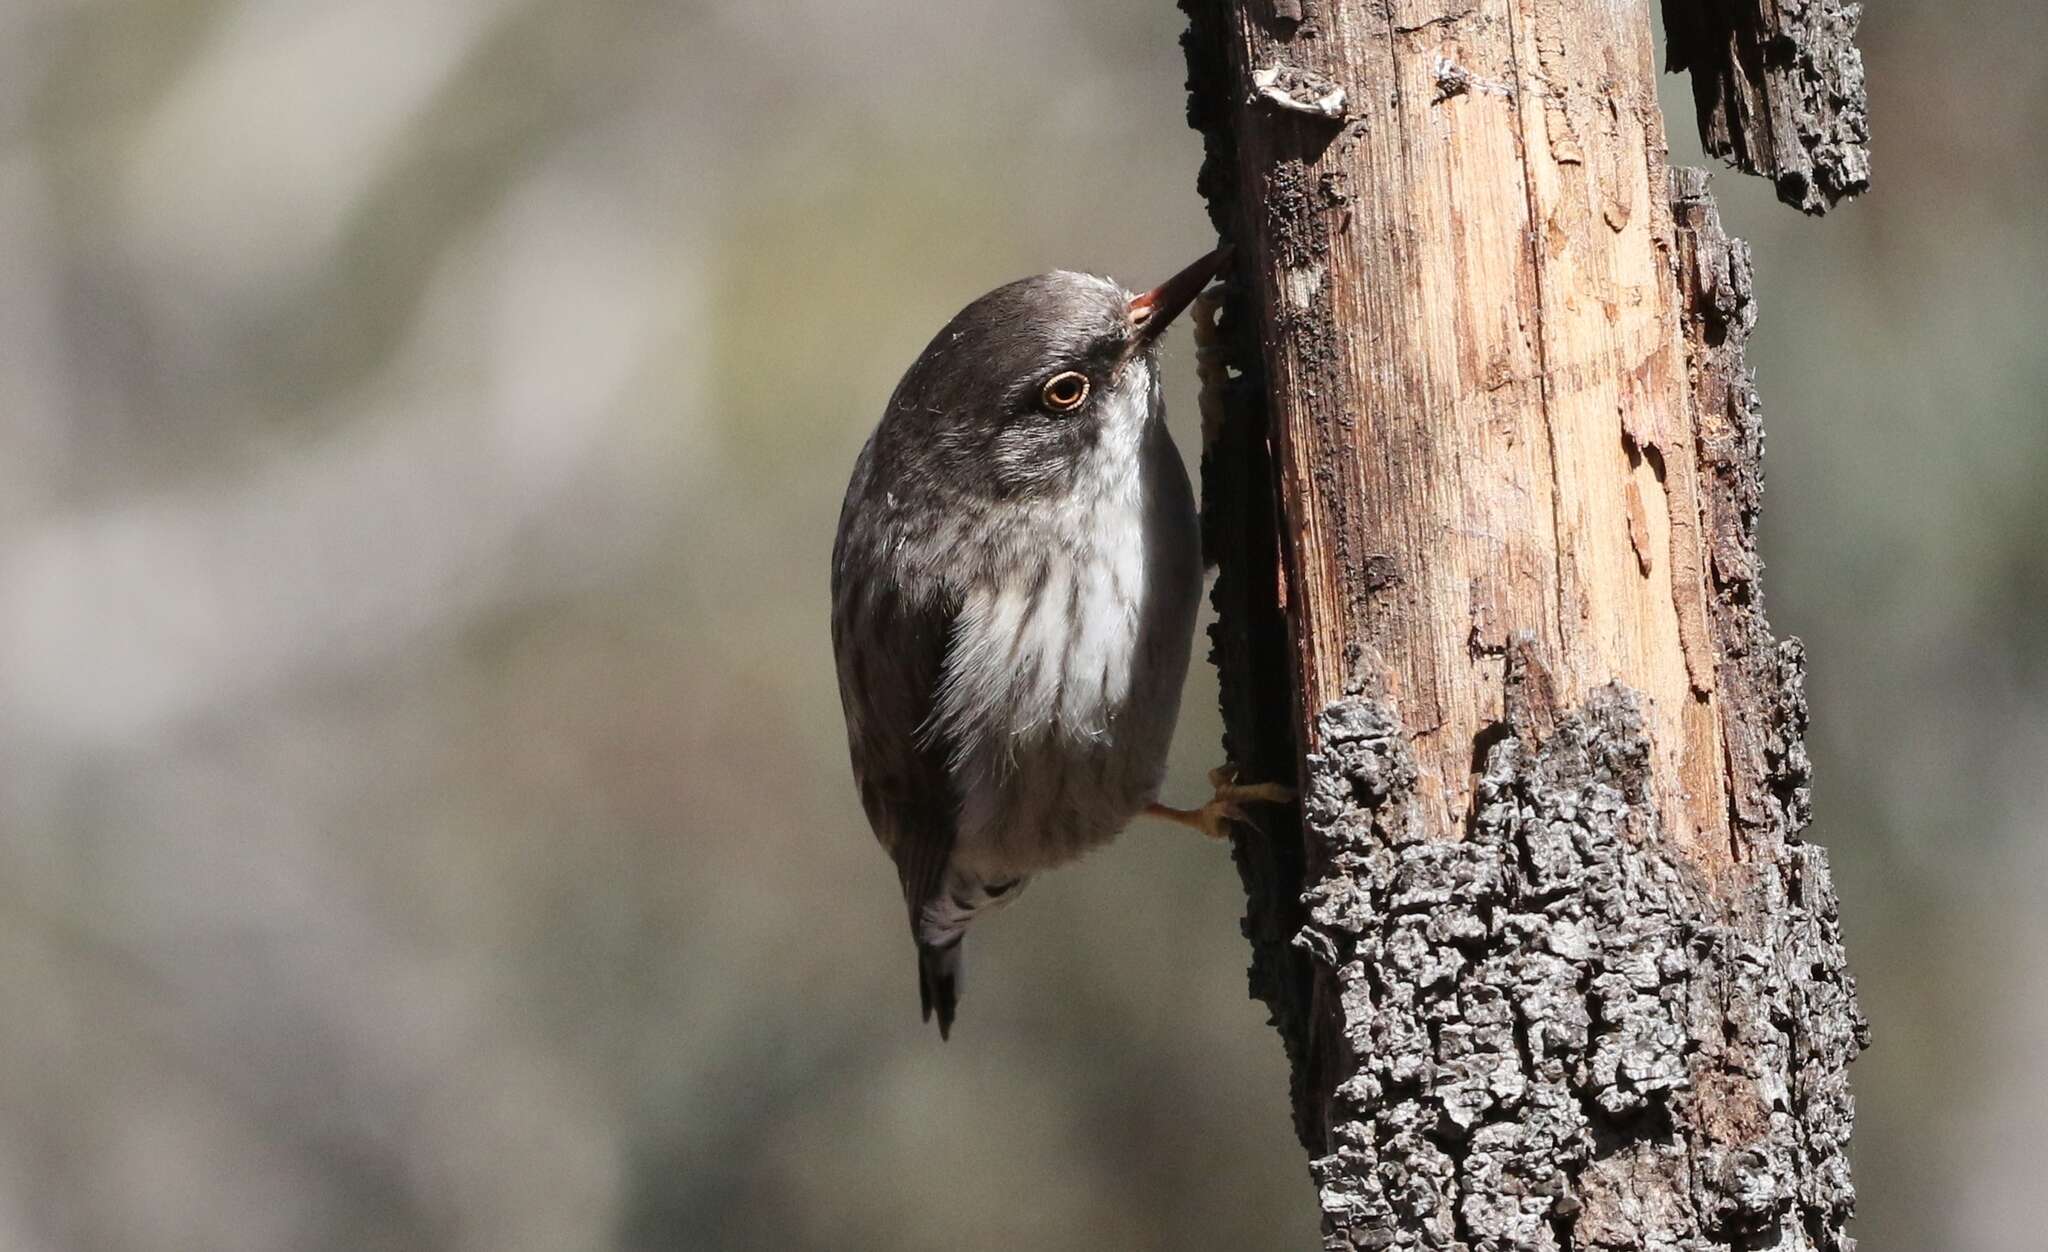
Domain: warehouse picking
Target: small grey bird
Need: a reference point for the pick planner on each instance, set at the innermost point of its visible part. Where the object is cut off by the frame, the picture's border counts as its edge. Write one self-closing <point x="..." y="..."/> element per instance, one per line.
<point x="1014" y="588"/>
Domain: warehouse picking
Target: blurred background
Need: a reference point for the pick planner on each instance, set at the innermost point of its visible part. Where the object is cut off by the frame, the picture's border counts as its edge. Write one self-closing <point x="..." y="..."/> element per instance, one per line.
<point x="424" y="817"/>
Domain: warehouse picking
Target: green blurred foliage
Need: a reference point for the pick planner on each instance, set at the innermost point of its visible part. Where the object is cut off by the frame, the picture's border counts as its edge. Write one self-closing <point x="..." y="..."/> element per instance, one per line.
<point x="424" y="819"/>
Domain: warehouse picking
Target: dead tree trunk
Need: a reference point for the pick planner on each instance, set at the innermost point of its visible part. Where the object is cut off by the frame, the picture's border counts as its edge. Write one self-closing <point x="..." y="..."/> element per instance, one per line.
<point x="1552" y="965"/>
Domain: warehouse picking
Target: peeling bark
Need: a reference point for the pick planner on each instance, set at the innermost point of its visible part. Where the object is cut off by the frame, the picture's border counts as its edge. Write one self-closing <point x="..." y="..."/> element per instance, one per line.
<point x="1764" y="680"/>
<point x="1779" y="89"/>
<point x="1551" y="964"/>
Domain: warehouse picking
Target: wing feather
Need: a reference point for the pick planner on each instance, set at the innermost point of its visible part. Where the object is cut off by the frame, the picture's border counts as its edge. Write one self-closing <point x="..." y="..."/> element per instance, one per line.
<point x="891" y="648"/>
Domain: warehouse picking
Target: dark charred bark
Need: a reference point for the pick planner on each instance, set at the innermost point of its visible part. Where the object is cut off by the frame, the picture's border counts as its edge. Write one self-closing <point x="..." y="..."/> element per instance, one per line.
<point x="1551" y="963"/>
<point x="1241" y="536"/>
<point x="1779" y="89"/>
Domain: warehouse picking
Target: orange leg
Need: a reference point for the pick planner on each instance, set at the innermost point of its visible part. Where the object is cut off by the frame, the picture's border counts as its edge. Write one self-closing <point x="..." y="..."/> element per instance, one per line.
<point x="1226" y="806"/>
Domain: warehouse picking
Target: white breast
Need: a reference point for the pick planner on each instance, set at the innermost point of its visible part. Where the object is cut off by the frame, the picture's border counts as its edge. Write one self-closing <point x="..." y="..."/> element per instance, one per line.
<point x="1052" y="655"/>
<point x="1049" y="652"/>
<point x="1062" y="684"/>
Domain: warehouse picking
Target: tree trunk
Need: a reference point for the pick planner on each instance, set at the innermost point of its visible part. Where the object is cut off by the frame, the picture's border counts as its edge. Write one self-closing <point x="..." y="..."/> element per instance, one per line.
<point x="1551" y="963"/>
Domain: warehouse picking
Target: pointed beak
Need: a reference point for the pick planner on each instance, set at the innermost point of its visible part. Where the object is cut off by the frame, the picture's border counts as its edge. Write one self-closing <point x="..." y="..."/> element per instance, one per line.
<point x="1153" y="311"/>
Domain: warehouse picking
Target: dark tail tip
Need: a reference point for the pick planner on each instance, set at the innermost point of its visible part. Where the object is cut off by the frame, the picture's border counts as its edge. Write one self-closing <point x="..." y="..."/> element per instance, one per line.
<point x="938" y="983"/>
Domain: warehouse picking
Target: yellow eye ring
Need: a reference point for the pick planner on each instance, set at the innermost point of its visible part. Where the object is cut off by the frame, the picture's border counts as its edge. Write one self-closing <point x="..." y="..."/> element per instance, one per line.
<point x="1064" y="392"/>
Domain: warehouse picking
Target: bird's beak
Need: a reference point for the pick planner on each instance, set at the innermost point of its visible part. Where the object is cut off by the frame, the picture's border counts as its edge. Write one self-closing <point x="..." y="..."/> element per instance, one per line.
<point x="1152" y="311"/>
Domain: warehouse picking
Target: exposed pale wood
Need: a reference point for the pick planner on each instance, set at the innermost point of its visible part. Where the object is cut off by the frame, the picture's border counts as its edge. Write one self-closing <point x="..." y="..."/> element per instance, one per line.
<point x="1489" y="454"/>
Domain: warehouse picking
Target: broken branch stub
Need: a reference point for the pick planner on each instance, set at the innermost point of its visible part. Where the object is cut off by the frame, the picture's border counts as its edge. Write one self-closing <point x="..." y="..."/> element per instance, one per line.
<point x="1778" y="88"/>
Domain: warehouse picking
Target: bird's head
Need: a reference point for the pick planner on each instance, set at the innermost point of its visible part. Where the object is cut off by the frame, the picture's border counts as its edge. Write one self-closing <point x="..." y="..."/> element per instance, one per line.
<point x="1035" y="383"/>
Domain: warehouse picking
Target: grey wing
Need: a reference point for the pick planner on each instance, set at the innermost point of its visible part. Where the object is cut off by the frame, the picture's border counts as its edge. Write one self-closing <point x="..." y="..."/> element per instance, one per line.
<point x="891" y="650"/>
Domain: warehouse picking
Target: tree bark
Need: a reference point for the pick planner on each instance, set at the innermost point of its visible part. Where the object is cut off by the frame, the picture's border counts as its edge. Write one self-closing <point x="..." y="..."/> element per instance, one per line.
<point x="1779" y="89"/>
<point x="1552" y="966"/>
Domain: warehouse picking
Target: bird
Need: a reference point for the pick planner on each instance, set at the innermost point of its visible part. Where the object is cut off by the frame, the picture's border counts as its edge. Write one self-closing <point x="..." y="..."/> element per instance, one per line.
<point x="1015" y="581"/>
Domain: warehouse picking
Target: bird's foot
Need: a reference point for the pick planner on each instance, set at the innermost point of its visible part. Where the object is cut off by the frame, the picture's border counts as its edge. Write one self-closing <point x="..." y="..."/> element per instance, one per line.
<point x="1226" y="806"/>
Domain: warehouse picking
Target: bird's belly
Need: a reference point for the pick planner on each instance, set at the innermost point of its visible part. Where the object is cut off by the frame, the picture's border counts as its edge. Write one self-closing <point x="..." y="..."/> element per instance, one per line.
<point x="1081" y="710"/>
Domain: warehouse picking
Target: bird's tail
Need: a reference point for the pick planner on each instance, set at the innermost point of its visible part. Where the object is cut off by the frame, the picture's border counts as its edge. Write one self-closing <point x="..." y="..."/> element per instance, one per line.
<point x="938" y="981"/>
<point x="940" y="926"/>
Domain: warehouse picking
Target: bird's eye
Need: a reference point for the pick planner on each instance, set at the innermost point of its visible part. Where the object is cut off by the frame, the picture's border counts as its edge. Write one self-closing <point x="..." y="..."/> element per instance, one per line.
<point x="1064" y="392"/>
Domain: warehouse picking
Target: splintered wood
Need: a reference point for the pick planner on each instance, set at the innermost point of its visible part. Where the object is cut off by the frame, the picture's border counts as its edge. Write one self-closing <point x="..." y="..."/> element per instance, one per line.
<point x="1501" y="443"/>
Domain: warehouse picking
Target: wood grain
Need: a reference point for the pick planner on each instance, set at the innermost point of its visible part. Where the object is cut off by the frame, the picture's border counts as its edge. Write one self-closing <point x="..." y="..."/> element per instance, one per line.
<point x="1498" y="442"/>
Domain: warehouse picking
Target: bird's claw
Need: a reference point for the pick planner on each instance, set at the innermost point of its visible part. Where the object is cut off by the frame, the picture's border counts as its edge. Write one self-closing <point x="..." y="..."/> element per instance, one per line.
<point x="1226" y="805"/>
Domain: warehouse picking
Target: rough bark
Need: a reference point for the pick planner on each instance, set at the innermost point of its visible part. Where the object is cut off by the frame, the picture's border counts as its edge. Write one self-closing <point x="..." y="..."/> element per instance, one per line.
<point x="1779" y="89"/>
<point x="1551" y="963"/>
